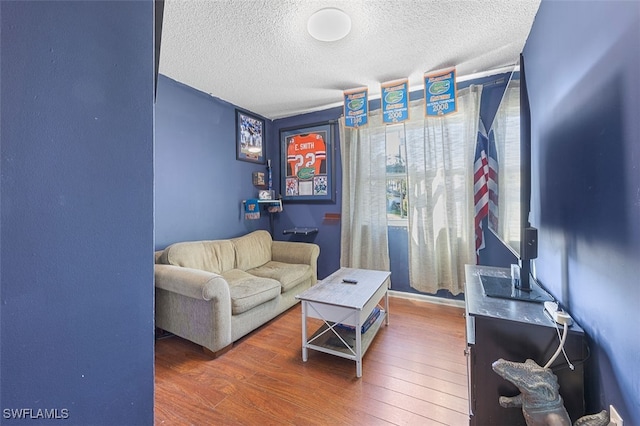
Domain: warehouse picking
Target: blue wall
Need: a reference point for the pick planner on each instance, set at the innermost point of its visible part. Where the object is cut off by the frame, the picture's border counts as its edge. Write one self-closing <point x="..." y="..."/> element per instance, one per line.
<point x="582" y="64"/>
<point x="313" y="214"/>
<point x="199" y="184"/>
<point x="76" y="211"/>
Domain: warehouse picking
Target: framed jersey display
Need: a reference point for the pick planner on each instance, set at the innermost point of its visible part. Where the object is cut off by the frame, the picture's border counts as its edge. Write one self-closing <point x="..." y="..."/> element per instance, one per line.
<point x="307" y="163"/>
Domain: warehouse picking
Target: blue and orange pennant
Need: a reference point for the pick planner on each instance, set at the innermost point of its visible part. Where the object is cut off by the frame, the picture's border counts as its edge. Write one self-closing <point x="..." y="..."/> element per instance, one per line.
<point x="440" y="93"/>
<point x="395" y="101"/>
<point x="356" y="107"/>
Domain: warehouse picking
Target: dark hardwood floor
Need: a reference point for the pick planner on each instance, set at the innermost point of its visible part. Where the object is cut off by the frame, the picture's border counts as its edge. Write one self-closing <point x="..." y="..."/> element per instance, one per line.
<point x="414" y="373"/>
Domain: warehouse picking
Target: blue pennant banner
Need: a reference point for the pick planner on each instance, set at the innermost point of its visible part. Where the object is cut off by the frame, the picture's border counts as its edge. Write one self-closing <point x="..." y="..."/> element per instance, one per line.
<point x="356" y="106"/>
<point x="395" y="101"/>
<point x="440" y="93"/>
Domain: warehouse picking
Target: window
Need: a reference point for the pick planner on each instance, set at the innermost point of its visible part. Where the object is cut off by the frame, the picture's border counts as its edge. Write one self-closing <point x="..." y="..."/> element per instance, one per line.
<point x="427" y="167"/>
<point x="397" y="204"/>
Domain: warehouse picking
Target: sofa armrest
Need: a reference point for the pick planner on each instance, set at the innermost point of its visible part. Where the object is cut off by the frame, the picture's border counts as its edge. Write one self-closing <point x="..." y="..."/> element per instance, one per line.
<point x="192" y="283"/>
<point x="195" y="305"/>
<point x="297" y="253"/>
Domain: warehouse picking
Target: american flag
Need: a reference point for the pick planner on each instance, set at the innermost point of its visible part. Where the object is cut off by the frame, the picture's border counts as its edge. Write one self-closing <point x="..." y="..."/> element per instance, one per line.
<point x="481" y="186"/>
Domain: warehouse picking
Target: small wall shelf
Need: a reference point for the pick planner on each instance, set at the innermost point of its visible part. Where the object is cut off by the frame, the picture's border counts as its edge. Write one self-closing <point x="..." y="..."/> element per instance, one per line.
<point x="267" y="202"/>
<point x="300" y="231"/>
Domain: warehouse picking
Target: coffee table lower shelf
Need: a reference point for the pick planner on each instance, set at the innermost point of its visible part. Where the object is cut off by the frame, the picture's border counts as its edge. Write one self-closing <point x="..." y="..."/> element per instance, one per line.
<point x="325" y="340"/>
<point x="349" y="296"/>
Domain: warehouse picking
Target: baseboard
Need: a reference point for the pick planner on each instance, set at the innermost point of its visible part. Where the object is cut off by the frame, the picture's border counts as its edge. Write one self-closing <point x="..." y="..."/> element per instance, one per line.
<point x="427" y="298"/>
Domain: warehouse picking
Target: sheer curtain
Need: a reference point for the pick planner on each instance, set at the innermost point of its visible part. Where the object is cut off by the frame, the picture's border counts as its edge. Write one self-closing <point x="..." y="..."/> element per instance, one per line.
<point x="440" y="155"/>
<point x="363" y="239"/>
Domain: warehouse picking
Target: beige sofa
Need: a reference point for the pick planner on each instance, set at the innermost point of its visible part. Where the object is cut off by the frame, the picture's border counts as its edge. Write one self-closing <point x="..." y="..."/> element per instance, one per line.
<point x="214" y="292"/>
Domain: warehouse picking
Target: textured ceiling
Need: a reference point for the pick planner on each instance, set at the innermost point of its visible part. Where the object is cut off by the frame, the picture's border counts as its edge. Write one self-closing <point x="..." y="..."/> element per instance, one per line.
<point x="257" y="54"/>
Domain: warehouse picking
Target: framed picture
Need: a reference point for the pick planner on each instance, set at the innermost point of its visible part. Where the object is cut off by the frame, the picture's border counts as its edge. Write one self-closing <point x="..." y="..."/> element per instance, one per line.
<point x="306" y="163"/>
<point x="250" y="143"/>
<point x="259" y="179"/>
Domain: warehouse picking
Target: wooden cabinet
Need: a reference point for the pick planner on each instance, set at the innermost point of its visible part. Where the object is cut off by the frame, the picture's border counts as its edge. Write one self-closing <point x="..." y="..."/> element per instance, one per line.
<point x="515" y="331"/>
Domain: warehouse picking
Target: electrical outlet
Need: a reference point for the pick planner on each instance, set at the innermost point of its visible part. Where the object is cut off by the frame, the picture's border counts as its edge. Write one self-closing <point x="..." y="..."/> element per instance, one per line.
<point x="614" y="417"/>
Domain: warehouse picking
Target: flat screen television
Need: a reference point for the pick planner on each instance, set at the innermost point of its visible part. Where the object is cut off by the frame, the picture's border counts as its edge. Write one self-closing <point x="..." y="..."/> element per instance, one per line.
<point x="505" y="204"/>
<point x="509" y="155"/>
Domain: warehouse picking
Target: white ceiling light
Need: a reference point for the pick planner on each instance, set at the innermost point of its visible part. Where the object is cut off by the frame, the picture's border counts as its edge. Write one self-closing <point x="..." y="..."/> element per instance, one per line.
<point x="329" y="24"/>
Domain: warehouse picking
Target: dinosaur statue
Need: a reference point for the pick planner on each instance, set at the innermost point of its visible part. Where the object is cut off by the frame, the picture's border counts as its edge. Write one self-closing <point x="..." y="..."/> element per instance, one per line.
<point x="539" y="398"/>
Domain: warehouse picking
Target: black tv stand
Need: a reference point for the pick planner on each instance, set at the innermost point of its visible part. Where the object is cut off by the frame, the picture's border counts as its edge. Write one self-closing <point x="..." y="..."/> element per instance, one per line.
<point x="516" y="331"/>
<point x="502" y="288"/>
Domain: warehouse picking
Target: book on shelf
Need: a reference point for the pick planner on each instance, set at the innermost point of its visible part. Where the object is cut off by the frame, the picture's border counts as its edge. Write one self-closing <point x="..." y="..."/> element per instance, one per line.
<point x="337" y="343"/>
<point x="373" y="316"/>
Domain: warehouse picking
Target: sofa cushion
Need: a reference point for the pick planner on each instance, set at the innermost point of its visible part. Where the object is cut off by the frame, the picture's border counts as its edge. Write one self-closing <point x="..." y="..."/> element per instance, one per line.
<point x="289" y="275"/>
<point x="252" y="250"/>
<point x="248" y="291"/>
<point x="214" y="256"/>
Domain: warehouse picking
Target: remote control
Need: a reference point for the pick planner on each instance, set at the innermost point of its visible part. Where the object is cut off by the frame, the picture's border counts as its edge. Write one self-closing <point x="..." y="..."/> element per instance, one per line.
<point x="349" y="281"/>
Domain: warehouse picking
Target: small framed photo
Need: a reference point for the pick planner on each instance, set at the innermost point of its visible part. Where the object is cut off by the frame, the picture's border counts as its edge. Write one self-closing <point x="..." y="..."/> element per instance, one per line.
<point x="250" y="132"/>
<point x="259" y="179"/>
<point x="307" y="163"/>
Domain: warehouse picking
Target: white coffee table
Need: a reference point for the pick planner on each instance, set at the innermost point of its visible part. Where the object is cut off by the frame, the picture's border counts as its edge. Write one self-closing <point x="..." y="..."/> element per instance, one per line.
<point x="340" y="305"/>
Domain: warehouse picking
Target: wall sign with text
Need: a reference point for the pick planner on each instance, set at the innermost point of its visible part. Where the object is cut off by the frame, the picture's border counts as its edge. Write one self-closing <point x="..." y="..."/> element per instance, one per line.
<point x="355" y="107"/>
<point x="440" y="92"/>
<point x="395" y="101"/>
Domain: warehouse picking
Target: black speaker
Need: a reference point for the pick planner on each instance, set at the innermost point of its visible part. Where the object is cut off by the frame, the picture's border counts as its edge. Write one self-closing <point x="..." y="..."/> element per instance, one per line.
<point x="530" y="243"/>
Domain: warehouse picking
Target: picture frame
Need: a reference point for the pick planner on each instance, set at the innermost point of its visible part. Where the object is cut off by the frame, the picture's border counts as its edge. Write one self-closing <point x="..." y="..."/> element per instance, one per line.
<point x="259" y="179"/>
<point x="250" y="137"/>
<point x="307" y="163"/>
